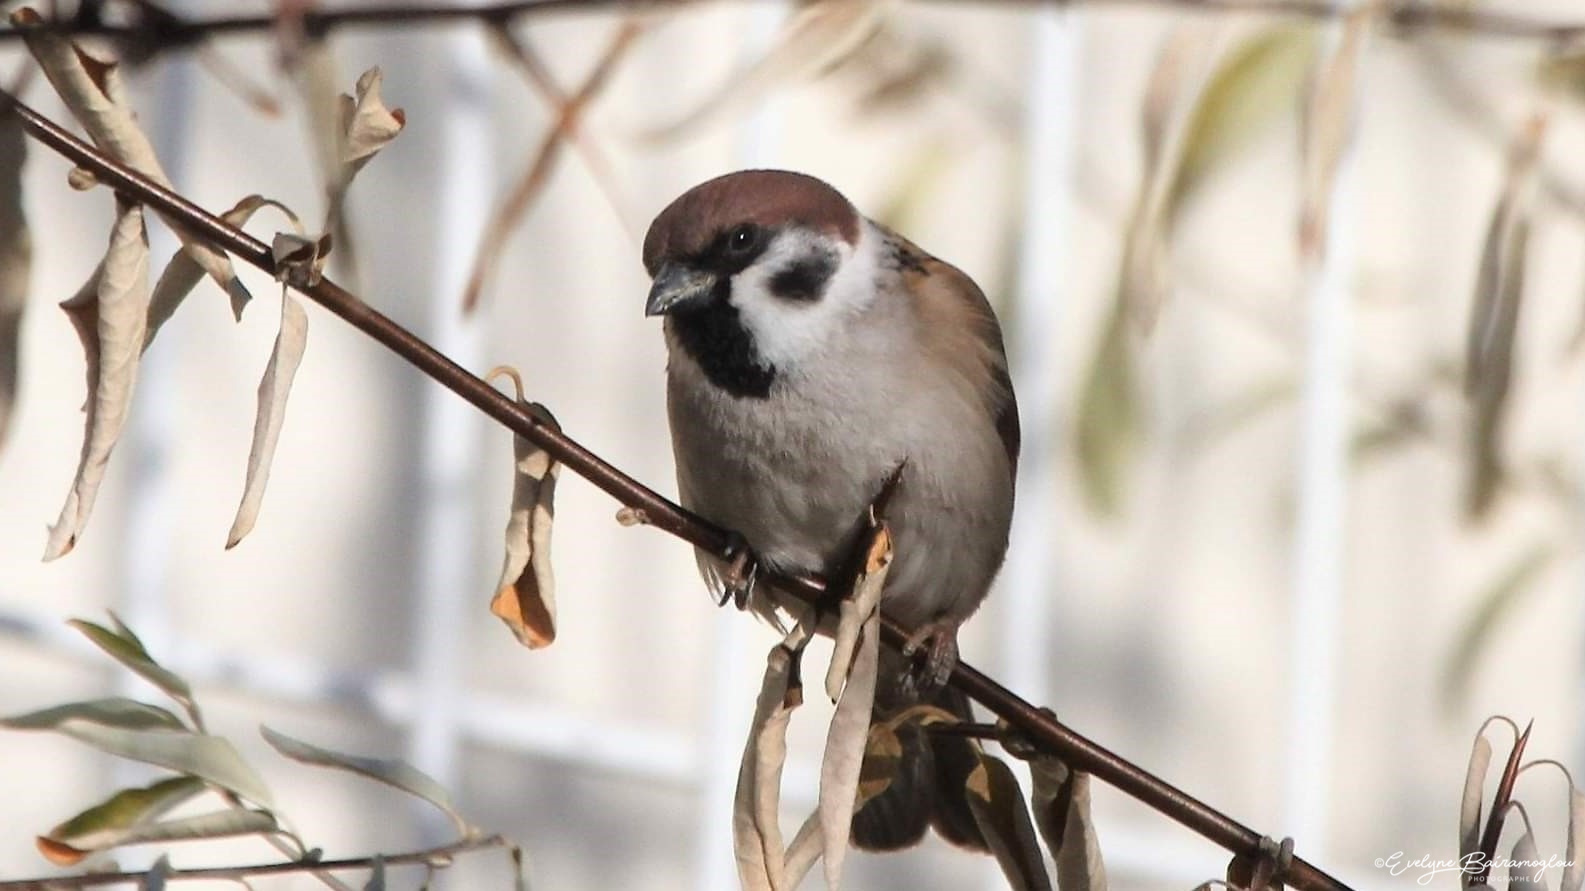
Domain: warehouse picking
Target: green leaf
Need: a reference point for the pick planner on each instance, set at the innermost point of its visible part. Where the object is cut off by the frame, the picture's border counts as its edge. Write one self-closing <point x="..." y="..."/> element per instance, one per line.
<point x="128" y="818"/>
<point x="1253" y="86"/>
<point x="210" y="758"/>
<point x="392" y="772"/>
<point x="123" y="811"/>
<point x="118" y="711"/>
<point x="1107" y="428"/>
<point x="124" y="647"/>
<point x="1496" y="601"/>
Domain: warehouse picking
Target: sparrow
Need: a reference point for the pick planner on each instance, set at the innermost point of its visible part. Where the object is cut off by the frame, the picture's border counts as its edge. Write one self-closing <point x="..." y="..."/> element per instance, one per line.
<point x="811" y="352"/>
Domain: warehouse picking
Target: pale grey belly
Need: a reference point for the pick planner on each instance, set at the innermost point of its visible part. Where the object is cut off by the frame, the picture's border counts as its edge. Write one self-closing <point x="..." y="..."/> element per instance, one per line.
<point x="797" y="496"/>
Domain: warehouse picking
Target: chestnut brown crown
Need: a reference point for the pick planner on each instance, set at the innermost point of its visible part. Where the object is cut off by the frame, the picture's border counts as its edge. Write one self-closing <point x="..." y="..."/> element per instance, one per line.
<point x="766" y="198"/>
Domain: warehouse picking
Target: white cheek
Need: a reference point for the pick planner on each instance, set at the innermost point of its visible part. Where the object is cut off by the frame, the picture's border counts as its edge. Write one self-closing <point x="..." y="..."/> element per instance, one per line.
<point x="787" y="332"/>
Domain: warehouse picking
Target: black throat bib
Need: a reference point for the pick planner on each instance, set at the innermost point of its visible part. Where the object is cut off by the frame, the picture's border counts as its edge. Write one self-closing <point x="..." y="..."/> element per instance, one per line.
<point x="713" y="336"/>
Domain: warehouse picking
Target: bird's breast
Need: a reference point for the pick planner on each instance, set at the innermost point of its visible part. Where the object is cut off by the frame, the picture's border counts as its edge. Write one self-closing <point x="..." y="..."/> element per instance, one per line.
<point x="794" y="471"/>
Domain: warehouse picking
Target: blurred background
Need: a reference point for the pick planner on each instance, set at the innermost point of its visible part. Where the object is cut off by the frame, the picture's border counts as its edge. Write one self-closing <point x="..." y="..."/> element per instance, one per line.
<point x="1264" y="548"/>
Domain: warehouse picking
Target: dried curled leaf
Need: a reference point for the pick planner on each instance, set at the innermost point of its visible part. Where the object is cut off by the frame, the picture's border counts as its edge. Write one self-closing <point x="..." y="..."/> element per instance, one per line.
<point x="756" y="820"/>
<point x="1474" y="797"/>
<point x="854" y="669"/>
<point x="1061" y="802"/>
<point x="525" y="595"/>
<point x="1494" y="320"/>
<point x="1526" y="869"/>
<point x="274" y="388"/>
<point x="855" y="610"/>
<point x="367" y="126"/>
<point x="998" y="806"/>
<point x="822" y="35"/>
<point x="118" y="314"/>
<point x="95" y="93"/>
<point x="16" y="261"/>
<point x="300" y="260"/>
<point x="182" y="272"/>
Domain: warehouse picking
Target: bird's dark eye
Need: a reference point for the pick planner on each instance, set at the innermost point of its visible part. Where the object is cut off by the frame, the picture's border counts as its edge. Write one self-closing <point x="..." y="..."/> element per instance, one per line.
<point x="742" y="239"/>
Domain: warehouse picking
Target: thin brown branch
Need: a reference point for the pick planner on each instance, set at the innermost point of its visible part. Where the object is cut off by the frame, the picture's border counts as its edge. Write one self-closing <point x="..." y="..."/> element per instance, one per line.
<point x="169" y="32"/>
<point x="428" y="857"/>
<point x="1034" y="724"/>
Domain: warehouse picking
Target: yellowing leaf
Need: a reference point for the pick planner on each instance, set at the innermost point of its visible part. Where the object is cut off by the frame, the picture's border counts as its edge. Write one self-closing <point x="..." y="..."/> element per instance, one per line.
<point x="120" y="314"/>
<point x="1108" y="421"/>
<point x="1494" y="320"/>
<point x="111" y="822"/>
<point x="16" y="261"/>
<point x="525" y="595"/>
<point x="1250" y="89"/>
<point x="274" y="388"/>
<point x="1143" y="279"/>
<point x="217" y="824"/>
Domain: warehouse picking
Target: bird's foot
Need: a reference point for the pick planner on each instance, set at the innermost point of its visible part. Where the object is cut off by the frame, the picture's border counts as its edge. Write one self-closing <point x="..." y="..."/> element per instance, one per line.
<point x="742" y="568"/>
<point x="932" y="651"/>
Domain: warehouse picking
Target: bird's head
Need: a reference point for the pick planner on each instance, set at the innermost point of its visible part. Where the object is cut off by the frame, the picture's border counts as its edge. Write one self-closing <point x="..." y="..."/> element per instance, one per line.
<point x="757" y="270"/>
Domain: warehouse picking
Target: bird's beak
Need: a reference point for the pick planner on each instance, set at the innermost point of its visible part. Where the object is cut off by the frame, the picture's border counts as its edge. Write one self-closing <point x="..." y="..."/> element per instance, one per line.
<point x="677" y="286"/>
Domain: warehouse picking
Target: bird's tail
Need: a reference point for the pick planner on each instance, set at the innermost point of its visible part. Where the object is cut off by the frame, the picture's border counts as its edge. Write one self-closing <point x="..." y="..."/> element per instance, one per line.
<point x="923" y="772"/>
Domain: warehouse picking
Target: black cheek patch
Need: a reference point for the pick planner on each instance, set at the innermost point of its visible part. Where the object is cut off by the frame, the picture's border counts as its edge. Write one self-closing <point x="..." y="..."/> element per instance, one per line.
<point x="805" y="280"/>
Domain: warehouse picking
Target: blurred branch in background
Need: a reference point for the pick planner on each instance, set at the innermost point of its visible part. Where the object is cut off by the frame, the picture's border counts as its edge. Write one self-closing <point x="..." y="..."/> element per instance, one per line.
<point x="151" y="26"/>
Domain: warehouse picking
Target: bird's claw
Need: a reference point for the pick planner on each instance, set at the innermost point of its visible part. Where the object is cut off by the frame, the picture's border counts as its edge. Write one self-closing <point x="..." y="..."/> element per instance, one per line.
<point x="742" y="569"/>
<point x="932" y="653"/>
